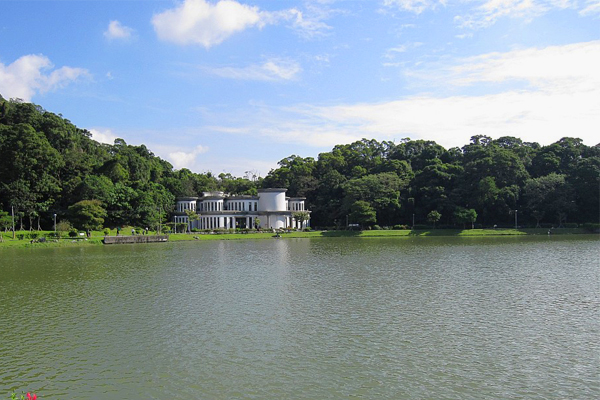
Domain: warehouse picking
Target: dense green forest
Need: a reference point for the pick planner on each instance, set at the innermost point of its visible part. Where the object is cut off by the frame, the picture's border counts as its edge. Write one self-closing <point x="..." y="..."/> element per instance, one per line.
<point x="49" y="166"/>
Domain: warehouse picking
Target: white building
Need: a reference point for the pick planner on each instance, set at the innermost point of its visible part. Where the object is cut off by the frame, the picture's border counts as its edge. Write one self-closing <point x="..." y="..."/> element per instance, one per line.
<point x="271" y="209"/>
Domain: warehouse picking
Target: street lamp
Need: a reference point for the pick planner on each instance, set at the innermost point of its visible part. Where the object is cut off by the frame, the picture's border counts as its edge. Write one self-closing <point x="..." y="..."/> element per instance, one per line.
<point x="54" y="223"/>
<point x="516" y="219"/>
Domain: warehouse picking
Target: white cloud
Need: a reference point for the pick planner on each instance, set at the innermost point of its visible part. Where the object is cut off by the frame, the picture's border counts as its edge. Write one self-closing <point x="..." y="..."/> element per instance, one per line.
<point x="415" y="6"/>
<point x="103" y="135"/>
<point x="592" y="7"/>
<point x="207" y="24"/>
<point x="567" y="68"/>
<point x="561" y="98"/>
<point x="200" y="22"/>
<point x="270" y="70"/>
<point x="391" y="53"/>
<point x="310" y="24"/>
<point x="183" y="158"/>
<point x="26" y="77"/>
<point x="489" y="11"/>
<point x="464" y="36"/>
<point x="117" y="31"/>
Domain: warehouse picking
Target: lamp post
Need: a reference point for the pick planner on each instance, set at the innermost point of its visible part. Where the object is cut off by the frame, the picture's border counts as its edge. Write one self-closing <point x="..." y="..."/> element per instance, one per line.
<point x="55" y="223"/>
<point x="516" y="219"/>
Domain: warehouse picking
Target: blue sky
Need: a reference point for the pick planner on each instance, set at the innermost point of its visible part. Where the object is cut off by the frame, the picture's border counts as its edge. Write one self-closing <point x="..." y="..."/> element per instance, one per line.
<point x="235" y="86"/>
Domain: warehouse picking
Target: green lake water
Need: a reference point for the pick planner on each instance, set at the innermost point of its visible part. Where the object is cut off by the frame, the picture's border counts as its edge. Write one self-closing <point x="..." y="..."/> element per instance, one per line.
<point x="338" y="318"/>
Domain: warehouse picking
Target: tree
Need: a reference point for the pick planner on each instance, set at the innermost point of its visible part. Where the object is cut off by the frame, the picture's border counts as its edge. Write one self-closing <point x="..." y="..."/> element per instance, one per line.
<point x="463" y="216"/>
<point x="380" y="191"/>
<point x="294" y="173"/>
<point x="362" y="213"/>
<point x="5" y="223"/>
<point x="549" y="195"/>
<point x="300" y="217"/>
<point x="88" y="214"/>
<point x="192" y="216"/>
<point x="433" y="217"/>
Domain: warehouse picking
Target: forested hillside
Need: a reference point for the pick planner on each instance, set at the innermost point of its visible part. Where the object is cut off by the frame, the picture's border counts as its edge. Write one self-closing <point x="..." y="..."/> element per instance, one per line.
<point x="48" y="166"/>
<point x="485" y="181"/>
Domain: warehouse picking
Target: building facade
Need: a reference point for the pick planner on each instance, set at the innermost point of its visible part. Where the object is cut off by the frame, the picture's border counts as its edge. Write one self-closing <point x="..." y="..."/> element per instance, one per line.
<point x="271" y="209"/>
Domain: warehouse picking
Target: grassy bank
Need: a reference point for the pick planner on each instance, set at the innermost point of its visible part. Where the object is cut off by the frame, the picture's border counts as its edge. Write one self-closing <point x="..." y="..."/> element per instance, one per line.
<point x="96" y="236"/>
<point x="380" y="233"/>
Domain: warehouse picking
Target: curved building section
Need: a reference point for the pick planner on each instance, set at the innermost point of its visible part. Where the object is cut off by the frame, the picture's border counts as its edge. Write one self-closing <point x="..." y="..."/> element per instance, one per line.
<point x="272" y="199"/>
<point x="218" y="210"/>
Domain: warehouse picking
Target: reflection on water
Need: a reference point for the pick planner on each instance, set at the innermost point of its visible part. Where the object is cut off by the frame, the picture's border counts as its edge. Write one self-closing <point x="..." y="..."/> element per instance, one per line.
<point x="461" y="318"/>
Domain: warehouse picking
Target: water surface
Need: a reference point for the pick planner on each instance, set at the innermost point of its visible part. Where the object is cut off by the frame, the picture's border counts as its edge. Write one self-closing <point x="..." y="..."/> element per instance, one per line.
<point x="401" y="318"/>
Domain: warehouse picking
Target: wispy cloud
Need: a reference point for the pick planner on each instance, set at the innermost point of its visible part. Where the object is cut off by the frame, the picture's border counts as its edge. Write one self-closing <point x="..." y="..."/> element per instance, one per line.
<point x="310" y="23"/>
<point x="569" y="68"/>
<point x="592" y="7"/>
<point x="489" y="11"/>
<point x="271" y="70"/>
<point x="31" y="74"/>
<point x="561" y="98"/>
<point x="116" y="30"/>
<point x="415" y="6"/>
<point x="392" y="52"/>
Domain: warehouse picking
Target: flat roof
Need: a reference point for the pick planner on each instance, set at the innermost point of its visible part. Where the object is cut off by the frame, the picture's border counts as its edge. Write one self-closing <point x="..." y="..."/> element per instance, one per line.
<point x="272" y="190"/>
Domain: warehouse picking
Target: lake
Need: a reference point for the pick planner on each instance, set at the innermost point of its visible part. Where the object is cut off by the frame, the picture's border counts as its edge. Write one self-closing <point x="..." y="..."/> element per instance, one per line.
<point x="394" y="318"/>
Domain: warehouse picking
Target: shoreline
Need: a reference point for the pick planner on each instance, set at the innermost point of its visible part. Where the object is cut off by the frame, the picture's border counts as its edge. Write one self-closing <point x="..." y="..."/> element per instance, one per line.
<point x="96" y="239"/>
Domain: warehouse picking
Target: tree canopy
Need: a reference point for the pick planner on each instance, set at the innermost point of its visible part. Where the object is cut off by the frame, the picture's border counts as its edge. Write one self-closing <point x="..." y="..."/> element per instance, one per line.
<point x="49" y="166"/>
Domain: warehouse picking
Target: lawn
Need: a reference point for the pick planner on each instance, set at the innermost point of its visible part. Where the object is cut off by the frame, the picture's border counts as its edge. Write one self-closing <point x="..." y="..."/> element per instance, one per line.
<point x="96" y="236"/>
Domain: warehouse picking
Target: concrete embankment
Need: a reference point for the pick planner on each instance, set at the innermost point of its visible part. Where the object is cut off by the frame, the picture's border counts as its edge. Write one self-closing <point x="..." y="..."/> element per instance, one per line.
<point x="135" y="239"/>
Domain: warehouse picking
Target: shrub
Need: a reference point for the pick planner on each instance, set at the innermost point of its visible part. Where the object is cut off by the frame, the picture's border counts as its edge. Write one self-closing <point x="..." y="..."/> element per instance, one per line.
<point x="376" y="228"/>
<point x="20" y="236"/>
<point x="592" y="227"/>
<point x="307" y="229"/>
<point x="106" y="231"/>
<point x="33" y="235"/>
<point x="400" y="227"/>
<point x="421" y="227"/>
<point x="571" y="225"/>
<point x="30" y="396"/>
<point x="64" y="226"/>
<point x="73" y="232"/>
<point x="54" y="235"/>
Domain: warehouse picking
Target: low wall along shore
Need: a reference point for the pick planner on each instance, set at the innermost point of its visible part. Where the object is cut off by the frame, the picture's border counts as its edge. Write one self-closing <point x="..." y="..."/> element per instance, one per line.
<point x="135" y="239"/>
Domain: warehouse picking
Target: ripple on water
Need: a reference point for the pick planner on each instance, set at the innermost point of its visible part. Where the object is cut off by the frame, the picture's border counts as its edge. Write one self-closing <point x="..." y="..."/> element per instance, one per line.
<point x="436" y="318"/>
